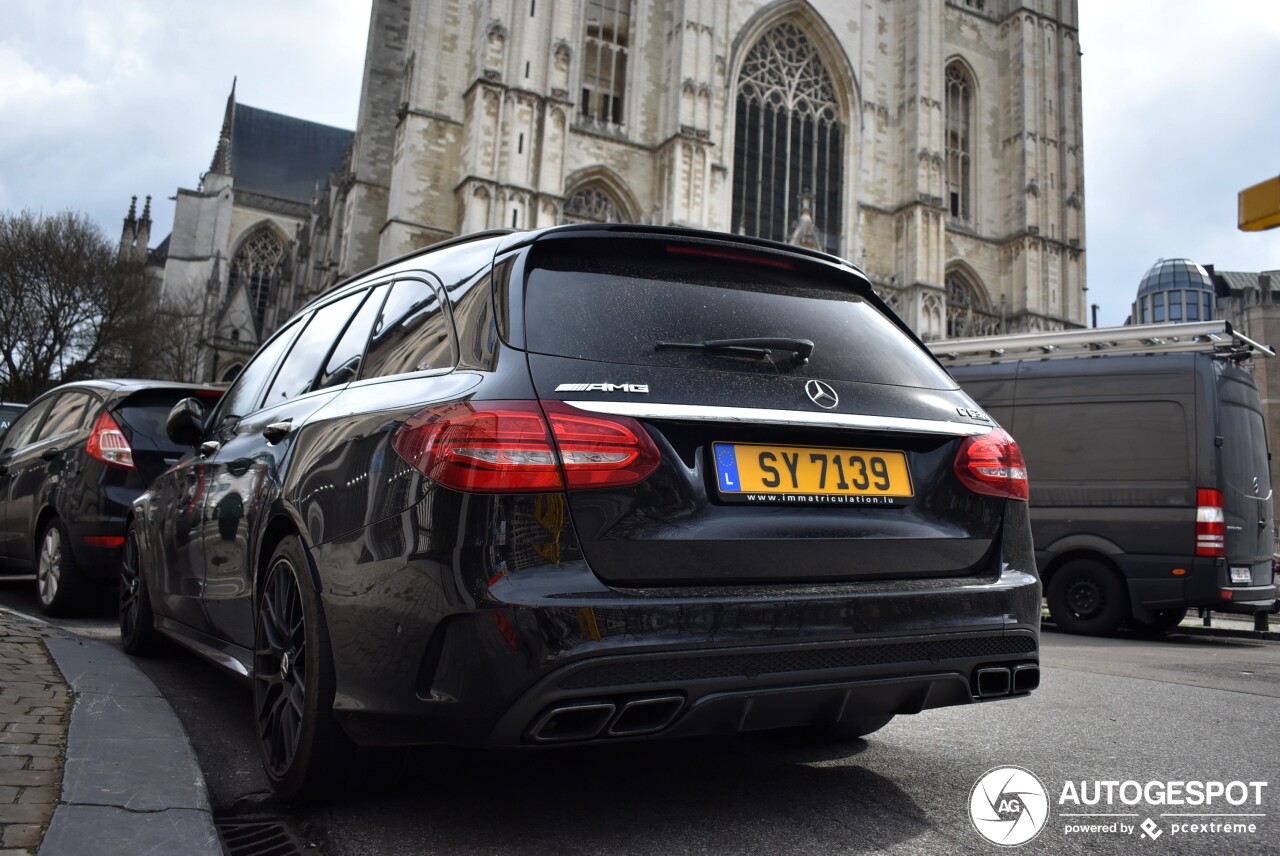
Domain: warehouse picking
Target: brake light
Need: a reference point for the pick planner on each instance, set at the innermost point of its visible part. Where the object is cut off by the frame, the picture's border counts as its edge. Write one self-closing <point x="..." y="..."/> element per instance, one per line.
<point x="729" y="255"/>
<point x="107" y="443"/>
<point x="508" y="447"/>
<point x="992" y="464"/>
<point x="1211" y="524"/>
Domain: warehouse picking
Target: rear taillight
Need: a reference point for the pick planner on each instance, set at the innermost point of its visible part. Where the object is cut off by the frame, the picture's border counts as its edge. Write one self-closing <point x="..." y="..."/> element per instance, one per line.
<point x="107" y="443"/>
<point x="992" y="464"/>
<point x="522" y="447"/>
<point x="1211" y="523"/>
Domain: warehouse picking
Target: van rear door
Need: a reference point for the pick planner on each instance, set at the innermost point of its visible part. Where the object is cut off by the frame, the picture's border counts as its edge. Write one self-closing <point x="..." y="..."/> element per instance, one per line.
<point x="1245" y="475"/>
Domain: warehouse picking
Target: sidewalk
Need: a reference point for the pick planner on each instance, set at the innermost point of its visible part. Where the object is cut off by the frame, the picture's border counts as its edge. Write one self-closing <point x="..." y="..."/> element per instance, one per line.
<point x="92" y="758"/>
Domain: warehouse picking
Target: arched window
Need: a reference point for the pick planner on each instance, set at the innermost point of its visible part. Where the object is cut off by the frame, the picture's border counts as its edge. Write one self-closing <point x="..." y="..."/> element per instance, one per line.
<point x="968" y="312"/>
<point x="590" y="204"/>
<point x="789" y="140"/>
<point x="257" y="265"/>
<point x="959" y="144"/>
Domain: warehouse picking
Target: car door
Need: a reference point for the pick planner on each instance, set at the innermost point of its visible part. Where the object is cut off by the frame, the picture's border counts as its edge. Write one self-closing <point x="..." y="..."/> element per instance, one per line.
<point x="244" y="474"/>
<point x="20" y="435"/>
<point x="37" y="470"/>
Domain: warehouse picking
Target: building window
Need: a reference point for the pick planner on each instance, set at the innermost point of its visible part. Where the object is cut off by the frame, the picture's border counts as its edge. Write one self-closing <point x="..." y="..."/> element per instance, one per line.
<point x="968" y="311"/>
<point x="257" y="266"/>
<point x="789" y="141"/>
<point x="959" y="145"/>
<point x="590" y="204"/>
<point x="604" y="69"/>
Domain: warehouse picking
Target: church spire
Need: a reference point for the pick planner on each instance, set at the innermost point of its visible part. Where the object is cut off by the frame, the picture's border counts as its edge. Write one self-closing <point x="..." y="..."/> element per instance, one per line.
<point x="222" y="155"/>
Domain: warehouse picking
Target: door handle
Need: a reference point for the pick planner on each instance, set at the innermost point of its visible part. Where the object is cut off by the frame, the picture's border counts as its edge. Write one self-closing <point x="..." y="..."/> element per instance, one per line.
<point x="277" y="431"/>
<point x="50" y="454"/>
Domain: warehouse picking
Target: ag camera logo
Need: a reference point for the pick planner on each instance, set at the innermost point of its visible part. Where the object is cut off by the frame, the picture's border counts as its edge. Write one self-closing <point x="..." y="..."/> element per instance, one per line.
<point x="1008" y="806"/>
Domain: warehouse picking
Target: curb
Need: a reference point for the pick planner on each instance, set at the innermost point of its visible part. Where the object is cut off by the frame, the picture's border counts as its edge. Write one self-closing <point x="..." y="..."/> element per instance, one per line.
<point x="130" y="780"/>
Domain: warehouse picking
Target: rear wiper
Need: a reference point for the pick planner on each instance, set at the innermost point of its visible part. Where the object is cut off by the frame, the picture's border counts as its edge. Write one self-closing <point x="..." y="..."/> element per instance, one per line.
<point x="747" y="346"/>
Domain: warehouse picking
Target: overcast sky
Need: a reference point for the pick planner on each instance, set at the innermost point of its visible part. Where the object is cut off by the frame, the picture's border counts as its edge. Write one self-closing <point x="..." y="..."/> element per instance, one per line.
<point x="103" y="99"/>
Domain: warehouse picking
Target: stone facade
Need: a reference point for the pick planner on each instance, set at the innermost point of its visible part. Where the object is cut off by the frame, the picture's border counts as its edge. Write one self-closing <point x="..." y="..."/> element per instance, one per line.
<point x="939" y="142"/>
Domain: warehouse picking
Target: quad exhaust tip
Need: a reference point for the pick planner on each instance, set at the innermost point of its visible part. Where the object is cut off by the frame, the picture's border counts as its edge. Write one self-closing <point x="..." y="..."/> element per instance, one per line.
<point x="588" y="720"/>
<point x="1026" y="677"/>
<point x="994" y="681"/>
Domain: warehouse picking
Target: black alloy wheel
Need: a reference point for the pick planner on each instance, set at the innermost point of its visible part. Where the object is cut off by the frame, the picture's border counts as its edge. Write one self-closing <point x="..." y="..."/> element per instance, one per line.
<point x="1087" y="597"/>
<point x="138" y="634"/>
<point x="299" y="740"/>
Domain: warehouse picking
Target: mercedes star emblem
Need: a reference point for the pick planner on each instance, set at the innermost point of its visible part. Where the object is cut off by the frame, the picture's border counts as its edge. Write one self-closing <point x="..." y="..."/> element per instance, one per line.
<point x="821" y="394"/>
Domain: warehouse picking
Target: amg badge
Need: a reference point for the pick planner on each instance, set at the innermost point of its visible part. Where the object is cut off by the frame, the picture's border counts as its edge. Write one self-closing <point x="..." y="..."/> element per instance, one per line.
<point x="604" y="387"/>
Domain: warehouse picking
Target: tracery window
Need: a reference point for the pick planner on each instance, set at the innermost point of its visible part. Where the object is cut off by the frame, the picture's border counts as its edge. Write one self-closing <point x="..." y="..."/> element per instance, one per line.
<point x="959" y="145"/>
<point x="968" y="313"/>
<point x="590" y="204"/>
<point x="789" y="139"/>
<point x="257" y="265"/>
<point x="604" y="63"/>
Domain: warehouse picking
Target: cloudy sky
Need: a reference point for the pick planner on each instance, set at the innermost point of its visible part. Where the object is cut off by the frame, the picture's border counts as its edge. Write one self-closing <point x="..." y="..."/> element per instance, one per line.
<point x="104" y="99"/>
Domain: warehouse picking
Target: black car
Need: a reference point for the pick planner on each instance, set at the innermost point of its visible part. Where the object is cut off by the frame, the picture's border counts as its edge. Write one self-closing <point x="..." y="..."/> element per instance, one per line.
<point x="590" y="483"/>
<point x="71" y="464"/>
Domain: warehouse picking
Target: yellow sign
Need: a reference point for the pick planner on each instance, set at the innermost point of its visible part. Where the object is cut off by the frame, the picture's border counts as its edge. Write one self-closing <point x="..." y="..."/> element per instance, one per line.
<point x="743" y="468"/>
<point x="1260" y="206"/>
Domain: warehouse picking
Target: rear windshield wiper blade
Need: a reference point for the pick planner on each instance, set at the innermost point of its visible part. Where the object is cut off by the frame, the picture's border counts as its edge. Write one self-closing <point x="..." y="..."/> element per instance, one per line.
<point x="747" y="346"/>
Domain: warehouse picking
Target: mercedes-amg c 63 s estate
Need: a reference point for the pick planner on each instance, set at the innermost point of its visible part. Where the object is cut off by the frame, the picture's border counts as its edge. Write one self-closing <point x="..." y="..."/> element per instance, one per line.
<point x="589" y="484"/>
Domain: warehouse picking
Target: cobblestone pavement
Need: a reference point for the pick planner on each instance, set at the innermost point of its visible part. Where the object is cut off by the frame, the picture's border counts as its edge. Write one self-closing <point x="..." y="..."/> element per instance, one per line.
<point x="35" y="707"/>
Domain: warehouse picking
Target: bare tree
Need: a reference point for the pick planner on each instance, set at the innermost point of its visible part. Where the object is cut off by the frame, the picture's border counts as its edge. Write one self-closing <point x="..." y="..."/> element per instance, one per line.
<point x="69" y="307"/>
<point x="178" y="339"/>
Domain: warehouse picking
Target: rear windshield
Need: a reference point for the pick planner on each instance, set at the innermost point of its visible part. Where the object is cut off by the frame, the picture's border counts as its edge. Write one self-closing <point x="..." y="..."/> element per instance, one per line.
<point x="613" y="301"/>
<point x="145" y="414"/>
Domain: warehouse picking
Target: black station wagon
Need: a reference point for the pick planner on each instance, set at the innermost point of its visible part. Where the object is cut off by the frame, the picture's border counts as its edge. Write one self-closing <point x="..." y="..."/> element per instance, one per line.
<point x="589" y="484"/>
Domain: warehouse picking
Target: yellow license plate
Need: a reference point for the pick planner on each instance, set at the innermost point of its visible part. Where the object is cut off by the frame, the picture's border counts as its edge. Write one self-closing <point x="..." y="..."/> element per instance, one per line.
<point x="744" y="470"/>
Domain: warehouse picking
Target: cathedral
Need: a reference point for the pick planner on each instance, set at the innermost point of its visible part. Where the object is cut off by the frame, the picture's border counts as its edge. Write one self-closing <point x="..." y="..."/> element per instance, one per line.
<point x="936" y="144"/>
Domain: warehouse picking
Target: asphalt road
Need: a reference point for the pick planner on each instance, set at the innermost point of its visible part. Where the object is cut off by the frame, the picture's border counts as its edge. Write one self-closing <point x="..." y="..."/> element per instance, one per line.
<point x="1183" y="709"/>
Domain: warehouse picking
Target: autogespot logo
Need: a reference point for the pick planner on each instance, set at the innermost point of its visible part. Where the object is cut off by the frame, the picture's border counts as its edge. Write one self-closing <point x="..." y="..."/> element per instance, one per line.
<point x="1008" y="806"/>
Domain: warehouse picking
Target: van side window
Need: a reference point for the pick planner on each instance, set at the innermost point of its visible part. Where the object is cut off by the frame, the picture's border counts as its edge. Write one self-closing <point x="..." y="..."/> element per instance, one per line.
<point x="298" y="373"/>
<point x="412" y="334"/>
<point x="23" y="429"/>
<point x="343" y="364"/>
<point x="245" y="394"/>
<point x="69" y="414"/>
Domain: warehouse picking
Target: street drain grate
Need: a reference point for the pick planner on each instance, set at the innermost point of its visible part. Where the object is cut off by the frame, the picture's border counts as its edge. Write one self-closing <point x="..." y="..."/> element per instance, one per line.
<point x="258" y="836"/>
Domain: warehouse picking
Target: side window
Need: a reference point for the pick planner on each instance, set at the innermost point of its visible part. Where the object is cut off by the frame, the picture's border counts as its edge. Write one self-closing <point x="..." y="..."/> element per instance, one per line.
<point x="298" y="373"/>
<point x="343" y="365"/>
<point x="69" y="413"/>
<point x="412" y="333"/>
<point x="473" y="316"/>
<point x="243" y="396"/>
<point x="23" y="429"/>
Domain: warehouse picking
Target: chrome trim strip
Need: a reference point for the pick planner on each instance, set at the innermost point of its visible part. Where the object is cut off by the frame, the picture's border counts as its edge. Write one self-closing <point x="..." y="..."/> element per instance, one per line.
<point x="758" y="416"/>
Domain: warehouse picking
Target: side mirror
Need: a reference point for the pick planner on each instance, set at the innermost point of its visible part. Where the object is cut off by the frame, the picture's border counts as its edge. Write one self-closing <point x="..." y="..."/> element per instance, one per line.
<point x="185" y="425"/>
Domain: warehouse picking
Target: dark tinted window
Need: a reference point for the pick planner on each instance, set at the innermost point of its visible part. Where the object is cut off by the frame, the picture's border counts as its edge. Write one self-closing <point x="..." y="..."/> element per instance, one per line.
<point x="23" y="429"/>
<point x="144" y="415"/>
<point x="613" y="301"/>
<point x="70" y="413"/>
<point x="1135" y="444"/>
<point x="412" y="333"/>
<point x="476" y="328"/>
<point x="300" y="368"/>
<point x="343" y="364"/>
<point x="245" y="394"/>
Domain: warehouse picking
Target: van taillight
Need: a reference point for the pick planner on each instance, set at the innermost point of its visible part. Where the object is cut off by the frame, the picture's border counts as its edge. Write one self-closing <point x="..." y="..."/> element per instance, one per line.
<point x="522" y="447"/>
<point x="1211" y="523"/>
<point x="992" y="464"/>
<point x="107" y="443"/>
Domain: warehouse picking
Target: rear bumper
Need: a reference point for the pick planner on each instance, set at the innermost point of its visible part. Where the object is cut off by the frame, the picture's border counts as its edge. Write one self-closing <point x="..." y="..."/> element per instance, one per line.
<point x="680" y="666"/>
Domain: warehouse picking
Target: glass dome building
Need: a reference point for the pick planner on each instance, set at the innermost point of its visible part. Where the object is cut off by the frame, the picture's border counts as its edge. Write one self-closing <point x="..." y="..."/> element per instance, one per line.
<point x="1174" y="290"/>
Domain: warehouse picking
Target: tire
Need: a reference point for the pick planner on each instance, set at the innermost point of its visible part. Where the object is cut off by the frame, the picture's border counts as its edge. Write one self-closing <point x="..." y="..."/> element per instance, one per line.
<point x="303" y="750"/>
<point x="138" y="634"/>
<point x="1164" y="620"/>
<point x="59" y="588"/>
<point x="1088" y="598"/>
<point x="849" y="729"/>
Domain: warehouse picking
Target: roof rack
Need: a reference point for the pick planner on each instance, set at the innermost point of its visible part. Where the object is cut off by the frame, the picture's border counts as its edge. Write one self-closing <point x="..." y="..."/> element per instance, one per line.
<point x="1215" y="337"/>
